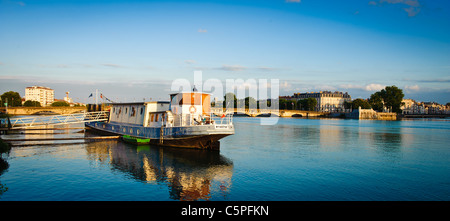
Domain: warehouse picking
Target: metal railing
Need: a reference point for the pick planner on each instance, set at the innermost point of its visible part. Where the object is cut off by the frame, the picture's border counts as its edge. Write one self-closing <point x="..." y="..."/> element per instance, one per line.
<point x="219" y="110"/>
<point x="36" y="121"/>
<point x="190" y="120"/>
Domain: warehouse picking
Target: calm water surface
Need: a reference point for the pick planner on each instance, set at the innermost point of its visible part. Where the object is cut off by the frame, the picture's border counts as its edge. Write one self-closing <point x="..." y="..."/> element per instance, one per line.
<point x="296" y="159"/>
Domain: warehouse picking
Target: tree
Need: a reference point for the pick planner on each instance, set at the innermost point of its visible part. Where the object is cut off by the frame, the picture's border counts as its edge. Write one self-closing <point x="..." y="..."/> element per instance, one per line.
<point x="311" y="103"/>
<point x="347" y="105"/>
<point x="12" y="98"/>
<point x="376" y="101"/>
<point x="360" y="103"/>
<point x="307" y="104"/>
<point x="60" y="104"/>
<point x="264" y="104"/>
<point x="227" y="102"/>
<point x="390" y="97"/>
<point x="30" y="103"/>
<point x="250" y="102"/>
<point x="284" y="104"/>
<point x="393" y="97"/>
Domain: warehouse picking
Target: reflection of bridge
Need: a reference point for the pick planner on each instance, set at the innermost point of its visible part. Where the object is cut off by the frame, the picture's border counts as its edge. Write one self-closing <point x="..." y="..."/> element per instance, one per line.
<point x="36" y="110"/>
<point x="263" y="112"/>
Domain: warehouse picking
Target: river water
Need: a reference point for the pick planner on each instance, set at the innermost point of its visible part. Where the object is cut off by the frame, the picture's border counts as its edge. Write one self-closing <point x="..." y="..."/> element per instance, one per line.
<point x="296" y="159"/>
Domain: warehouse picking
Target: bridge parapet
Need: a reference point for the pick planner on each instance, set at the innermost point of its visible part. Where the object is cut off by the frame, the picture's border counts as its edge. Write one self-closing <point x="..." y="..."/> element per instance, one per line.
<point x="258" y="112"/>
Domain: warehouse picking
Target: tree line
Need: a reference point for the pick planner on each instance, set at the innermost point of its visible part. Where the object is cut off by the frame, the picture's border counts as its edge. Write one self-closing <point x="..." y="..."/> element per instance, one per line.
<point x="247" y="102"/>
<point x="388" y="98"/>
<point x="13" y="99"/>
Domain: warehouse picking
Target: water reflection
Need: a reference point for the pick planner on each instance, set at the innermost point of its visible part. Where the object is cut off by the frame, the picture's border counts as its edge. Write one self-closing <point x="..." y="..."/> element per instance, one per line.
<point x="386" y="138"/>
<point x="4" y="165"/>
<point x="189" y="174"/>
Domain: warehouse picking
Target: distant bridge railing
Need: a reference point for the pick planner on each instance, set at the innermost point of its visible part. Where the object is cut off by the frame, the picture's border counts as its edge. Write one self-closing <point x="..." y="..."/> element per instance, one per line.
<point x="258" y="112"/>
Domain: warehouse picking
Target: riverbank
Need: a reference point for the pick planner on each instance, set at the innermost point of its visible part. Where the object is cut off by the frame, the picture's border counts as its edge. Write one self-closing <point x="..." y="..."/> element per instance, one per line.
<point x="4" y="147"/>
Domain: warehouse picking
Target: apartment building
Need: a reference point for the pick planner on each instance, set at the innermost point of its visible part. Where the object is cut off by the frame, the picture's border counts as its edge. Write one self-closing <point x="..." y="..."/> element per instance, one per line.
<point x="327" y="101"/>
<point x="44" y="95"/>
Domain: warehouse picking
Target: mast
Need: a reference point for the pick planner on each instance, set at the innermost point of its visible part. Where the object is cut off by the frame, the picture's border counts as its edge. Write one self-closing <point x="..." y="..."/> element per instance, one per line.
<point x="96" y="97"/>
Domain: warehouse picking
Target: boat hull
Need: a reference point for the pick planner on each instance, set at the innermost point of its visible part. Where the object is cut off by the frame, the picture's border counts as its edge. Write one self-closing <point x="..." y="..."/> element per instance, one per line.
<point x="200" y="137"/>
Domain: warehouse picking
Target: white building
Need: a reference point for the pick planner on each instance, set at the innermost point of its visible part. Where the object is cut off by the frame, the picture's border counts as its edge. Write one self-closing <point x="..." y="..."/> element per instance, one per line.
<point x="412" y="107"/>
<point x="327" y="101"/>
<point x="44" y="95"/>
<point x="68" y="99"/>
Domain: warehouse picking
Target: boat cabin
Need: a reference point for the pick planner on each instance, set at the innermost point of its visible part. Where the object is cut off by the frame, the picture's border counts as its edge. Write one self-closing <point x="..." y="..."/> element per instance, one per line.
<point x="183" y="109"/>
<point x="137" y="113"/>
<point x="190" y="108"/>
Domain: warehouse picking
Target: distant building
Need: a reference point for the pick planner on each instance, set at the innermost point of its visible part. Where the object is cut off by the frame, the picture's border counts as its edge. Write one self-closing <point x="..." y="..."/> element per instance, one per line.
<point x="68" y="99"/>
<point x="43" y="95"/>
<point x="412" y="107"/>
<point x="327" y="101"/>
<point x="435" y="108"/>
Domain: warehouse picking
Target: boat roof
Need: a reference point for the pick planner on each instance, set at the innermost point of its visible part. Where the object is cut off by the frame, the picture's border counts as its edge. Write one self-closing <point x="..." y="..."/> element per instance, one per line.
<point x="189" y="92"/>
<point x="141" y="103"/>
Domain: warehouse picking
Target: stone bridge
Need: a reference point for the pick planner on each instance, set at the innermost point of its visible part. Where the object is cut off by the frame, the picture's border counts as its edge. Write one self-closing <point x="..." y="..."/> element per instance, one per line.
<point x="263" y="112"/>
<point x="44" y="110"/>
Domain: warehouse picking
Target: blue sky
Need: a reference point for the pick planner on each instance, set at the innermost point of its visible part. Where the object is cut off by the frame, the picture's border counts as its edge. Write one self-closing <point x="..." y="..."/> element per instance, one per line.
<point x="131" y="50"/>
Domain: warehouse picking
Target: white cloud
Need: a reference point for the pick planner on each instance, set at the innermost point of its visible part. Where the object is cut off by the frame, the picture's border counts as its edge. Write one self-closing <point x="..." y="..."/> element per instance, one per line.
<point x="412" y="88"/>
<point x="202" y="30"/>
<point x="263" y="68"/>
<point x="374" y="87"/>
<point x="369" y="87"/>
<point x="112" y="65"/>
<point x="232" y="68"/>
<point x="190" y="61"/>
<point x="285" y="85"/>
<point x="293" y="1"/>
<point x="412" y="10"/>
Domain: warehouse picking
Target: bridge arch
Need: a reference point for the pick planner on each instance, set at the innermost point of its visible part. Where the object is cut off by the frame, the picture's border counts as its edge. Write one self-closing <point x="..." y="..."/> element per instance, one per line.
<point x="266" y="114"/>
<point x="44" y="113"/>
<point x="239" y="113"/>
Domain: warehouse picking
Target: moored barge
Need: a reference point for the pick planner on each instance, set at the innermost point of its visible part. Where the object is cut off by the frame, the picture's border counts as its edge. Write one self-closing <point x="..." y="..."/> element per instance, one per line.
<point x="184" y="121"/>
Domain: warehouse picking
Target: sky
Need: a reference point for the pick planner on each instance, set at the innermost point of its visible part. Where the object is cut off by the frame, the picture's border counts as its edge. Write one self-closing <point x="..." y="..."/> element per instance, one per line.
<point x="134" y="50"/>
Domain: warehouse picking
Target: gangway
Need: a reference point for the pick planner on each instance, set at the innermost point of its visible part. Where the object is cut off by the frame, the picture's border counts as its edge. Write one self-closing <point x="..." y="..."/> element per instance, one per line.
<point x="36" y="121"/>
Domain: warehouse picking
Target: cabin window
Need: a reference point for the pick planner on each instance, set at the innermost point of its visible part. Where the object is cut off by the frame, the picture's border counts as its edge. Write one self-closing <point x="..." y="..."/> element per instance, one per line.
<point x="132" y="112"/>
<point x="126" y="110"/>
<point x="142" y="110"/>
<point x="156" y="118"/>
<point x="114" y="110"/>
<point x="152" y="116"/>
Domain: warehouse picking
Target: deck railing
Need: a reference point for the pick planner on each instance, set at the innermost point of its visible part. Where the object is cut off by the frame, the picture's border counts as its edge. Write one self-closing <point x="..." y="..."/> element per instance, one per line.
<point x="190" y="120"/>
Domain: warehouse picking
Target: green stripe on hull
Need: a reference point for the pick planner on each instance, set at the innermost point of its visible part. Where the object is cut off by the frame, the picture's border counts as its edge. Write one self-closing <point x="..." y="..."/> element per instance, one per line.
<point x="135" y="140"/>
